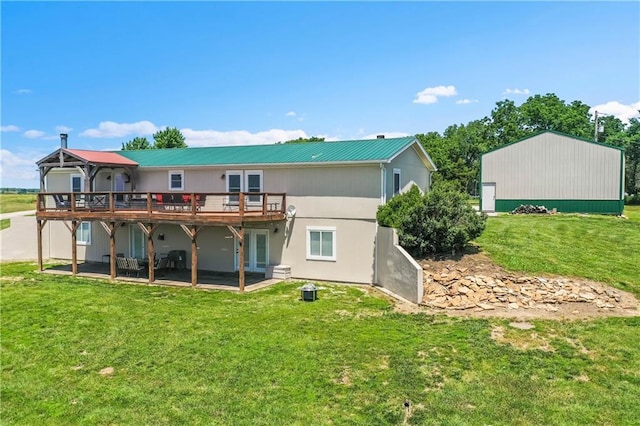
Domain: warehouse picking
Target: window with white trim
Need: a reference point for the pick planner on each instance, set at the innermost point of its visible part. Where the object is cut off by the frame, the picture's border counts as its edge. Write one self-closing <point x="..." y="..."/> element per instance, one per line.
<point x="234" y="184"/>
<point x="77" y="183"/>
<point x="83" y="234"/>
<point x="321" y="243"/>
<point x="397" y="178"/>
<point x="253" y="179"/>
<point x="176" y="180"/>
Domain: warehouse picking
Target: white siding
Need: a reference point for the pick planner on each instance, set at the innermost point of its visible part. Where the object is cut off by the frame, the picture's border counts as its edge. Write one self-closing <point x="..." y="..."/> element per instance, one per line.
<point x="551" y="166"/>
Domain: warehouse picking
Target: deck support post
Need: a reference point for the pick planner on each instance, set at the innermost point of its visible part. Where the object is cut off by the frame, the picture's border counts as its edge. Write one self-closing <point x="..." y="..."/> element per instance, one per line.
<point x="111" y="229"/>
<point x="74" y="246"/>
<point x="241" y="261"/>
<point x="239" y="234"/>
<point x="151" y="252"/>
<point x="40" y="224"/>
<point x="192" y="232"/>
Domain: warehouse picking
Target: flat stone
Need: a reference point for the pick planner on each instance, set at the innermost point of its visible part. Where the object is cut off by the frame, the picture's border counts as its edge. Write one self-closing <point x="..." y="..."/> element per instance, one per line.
<point x="587" y="296"/>
<point x="486" y="306"/>
<point x="521" y="325"/>
<point x="513" y="306"/>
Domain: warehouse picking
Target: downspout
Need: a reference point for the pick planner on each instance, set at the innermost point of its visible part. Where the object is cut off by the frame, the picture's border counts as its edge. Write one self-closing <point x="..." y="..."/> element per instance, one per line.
<point x="377" y="242"/>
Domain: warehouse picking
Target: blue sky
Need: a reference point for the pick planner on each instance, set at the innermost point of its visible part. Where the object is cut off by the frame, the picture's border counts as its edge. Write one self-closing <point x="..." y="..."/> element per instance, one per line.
<point x="246" y="73"/>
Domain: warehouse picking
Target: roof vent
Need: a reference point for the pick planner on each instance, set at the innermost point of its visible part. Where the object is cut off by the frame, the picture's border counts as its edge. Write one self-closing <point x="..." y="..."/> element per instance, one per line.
<point x="380" y="137"/>
<point x="63" y="140"/>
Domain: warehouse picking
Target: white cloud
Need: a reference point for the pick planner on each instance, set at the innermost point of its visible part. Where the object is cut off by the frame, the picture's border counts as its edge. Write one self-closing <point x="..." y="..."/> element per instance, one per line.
<point x="516" y="92"/>
<point x="63" y="129"/>
<point x="466" y="101"/>
<point x="195" y="138"/>
<point x="23" y="92"/>
<point x="111" y="129"/>
<point x="33" y="134"/>
<point x="615" y="108"/>
<point x="10" y="128"/>
<point x="291" y="114"/>
<point x="430" y="94"/>
<point x="18" y="171"/>
<point x="387" y="135"/>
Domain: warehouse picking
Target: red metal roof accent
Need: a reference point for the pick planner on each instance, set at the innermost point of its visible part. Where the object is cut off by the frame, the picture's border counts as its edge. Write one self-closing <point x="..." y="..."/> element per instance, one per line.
<point x="101" y="157"/>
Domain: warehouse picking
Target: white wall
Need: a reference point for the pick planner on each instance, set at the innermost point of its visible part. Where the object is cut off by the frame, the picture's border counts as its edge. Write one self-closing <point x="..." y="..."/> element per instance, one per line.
<point x="550" y="166"/>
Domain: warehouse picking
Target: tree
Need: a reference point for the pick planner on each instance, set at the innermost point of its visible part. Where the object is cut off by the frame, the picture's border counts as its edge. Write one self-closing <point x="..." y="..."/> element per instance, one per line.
<point x="170" y="137"/>
<point x="136" y="143"/>
<point x="304" y="140"/>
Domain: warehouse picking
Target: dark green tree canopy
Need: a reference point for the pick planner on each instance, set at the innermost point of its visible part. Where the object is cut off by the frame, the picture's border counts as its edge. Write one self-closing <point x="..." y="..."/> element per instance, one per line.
<point x="304" y="140"/>
<point x="136" y="143"/>
<point x="170" y="137"/>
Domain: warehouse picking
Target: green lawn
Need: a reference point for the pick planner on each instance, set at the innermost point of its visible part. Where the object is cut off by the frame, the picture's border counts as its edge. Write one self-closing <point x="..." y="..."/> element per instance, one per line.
<point x="193" y="357"/>
<point x="602" y="248"/>
<point x="10" y="203"/>
<point x="5" y="223"/>
<point x="632" y="212"/>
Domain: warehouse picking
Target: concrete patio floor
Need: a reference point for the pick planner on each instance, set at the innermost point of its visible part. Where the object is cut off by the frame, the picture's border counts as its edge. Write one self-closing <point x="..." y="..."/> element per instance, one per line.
<point x="207" y="280"/>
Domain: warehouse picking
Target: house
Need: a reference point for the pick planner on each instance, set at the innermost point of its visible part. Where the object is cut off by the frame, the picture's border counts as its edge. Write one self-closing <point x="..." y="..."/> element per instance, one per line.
<point x="309" y="208"/>
<point x="555" y="170"/>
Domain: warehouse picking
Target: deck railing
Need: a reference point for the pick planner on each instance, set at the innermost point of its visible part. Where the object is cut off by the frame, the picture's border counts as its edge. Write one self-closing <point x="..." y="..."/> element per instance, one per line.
<point x="195" y="203"/>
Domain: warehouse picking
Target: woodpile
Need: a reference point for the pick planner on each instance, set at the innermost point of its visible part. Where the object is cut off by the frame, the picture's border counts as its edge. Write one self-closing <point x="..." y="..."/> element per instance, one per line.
<point x="530" y="209"/>
<point x="454" y="289"/>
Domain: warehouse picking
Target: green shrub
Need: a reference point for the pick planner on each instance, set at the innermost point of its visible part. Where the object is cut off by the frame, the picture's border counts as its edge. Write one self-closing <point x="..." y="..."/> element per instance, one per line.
<point x="632" y="200"/>
<point x="442" y="221"/>
<point x="391" y="213"/>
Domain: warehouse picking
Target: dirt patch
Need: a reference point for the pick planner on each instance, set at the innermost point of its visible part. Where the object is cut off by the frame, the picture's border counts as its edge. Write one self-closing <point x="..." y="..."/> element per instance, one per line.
<point x="471" y="285"/>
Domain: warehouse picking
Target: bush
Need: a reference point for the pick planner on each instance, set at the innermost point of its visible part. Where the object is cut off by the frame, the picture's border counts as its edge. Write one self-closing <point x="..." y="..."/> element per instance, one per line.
<point x="632" y="200"/>
<point x="391" y="213"/>
<point x="440" y="221"/>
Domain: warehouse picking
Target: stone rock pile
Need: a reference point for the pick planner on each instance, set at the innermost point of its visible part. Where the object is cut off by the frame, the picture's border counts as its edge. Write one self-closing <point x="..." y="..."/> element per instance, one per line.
<point x="455" y="289"/>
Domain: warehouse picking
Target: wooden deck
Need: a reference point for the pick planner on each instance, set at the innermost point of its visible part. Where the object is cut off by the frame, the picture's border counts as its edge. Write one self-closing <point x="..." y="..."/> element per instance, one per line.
<point x="233" y="209"/>
<point x="191" y="211"/>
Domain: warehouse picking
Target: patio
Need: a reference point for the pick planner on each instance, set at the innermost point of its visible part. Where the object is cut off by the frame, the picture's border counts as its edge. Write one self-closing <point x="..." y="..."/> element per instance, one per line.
<point x="207" y="280"/>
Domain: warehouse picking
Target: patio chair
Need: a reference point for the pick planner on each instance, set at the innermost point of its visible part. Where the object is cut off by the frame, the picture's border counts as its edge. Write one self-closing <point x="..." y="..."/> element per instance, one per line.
<point x="61" y="203"/>
<point x="134" y="266"/>
<point x="161" y="265"/>
<point x="122" y="265"/>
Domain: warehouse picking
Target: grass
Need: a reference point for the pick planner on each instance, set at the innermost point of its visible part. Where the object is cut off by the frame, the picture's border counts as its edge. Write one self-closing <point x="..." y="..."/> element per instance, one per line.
<point x="192" y="357"/>
<point x="632" y="212"/>
<point x="10" y="203"/>
<point x="5" y="223"/>
<point x="602" y="248"/>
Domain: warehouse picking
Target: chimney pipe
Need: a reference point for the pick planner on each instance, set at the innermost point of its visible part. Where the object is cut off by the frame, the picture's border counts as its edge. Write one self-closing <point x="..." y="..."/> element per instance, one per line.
<point x="380" y="137"/>
<point x="63" y="140"/>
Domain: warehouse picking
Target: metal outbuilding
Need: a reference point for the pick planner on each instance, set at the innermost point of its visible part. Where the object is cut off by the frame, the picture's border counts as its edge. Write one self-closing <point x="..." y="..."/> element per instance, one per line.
<point x="555" y="170"/>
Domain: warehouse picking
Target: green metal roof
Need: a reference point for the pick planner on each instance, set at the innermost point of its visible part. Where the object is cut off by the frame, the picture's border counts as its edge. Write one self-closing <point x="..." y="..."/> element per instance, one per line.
<point x="356" y="151"/>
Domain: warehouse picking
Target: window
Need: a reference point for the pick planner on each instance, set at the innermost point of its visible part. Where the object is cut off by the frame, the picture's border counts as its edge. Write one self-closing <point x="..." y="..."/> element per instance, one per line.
<point x="83" y="234"/>
<point x="234" y="184"/>
<point x="396" y="181"/>
<point x="321" y="243"/>
<point x="77" y="183"/>
<point x="176" y="180"/>
<point x="254" y="184"/>
<point x="244" y="181"/>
